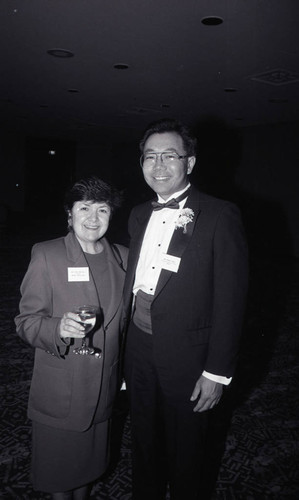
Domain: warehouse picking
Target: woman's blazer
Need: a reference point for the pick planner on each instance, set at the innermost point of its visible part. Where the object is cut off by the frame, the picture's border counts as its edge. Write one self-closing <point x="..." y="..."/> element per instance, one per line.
<point x="197" y="311"/>
<point x="66" y="388"/>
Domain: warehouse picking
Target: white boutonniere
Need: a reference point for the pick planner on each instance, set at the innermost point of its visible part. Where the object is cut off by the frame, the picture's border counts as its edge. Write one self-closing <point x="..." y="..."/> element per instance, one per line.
<point x="185" y="217"/>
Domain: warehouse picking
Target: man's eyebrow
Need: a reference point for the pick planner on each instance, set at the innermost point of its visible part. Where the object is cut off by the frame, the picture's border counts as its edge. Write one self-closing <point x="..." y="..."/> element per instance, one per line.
<point x="168" y="150"/>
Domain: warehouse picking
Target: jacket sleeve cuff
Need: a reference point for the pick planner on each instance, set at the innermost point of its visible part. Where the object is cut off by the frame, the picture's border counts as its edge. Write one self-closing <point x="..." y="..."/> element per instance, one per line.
<point x="62" y="344"/>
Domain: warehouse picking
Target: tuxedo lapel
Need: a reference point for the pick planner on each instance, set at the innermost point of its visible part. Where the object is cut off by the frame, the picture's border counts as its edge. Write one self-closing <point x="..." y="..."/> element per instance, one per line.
<point x="141" y="222"/>
<point x="116" y="274"/>
<point x="180" y="240"/>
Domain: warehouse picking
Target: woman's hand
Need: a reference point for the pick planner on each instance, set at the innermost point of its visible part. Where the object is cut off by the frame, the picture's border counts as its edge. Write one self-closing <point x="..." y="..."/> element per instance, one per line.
<point x="70" y="326"/>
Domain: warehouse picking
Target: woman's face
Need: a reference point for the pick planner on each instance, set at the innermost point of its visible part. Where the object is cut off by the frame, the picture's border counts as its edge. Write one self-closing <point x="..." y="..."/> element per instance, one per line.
<point x="89" y="221"/>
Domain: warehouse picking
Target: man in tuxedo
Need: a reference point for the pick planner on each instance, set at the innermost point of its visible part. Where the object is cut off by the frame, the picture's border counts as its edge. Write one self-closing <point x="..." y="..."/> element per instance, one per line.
<point x="185" y="295"/>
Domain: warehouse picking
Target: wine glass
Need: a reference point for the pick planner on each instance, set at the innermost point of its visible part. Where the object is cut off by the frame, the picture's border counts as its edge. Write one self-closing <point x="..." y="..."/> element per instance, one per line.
<point x="87" y="315"/>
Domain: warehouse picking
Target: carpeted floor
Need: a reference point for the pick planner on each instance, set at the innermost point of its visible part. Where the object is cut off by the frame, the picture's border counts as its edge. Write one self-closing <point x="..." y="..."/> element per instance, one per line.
<point x="254" y="435"/>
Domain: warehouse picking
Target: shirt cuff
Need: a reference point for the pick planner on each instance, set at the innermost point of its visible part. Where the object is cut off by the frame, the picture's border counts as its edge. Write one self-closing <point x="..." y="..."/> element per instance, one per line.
<point x="62" y="341"/>
<point x="62" y="344"/>
<point x="217" y="378"/>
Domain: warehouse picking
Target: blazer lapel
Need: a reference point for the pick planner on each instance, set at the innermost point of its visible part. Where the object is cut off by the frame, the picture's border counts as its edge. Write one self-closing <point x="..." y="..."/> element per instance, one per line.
<point x="180" y="240"/>
<point x="76" y="255"/>
<point x="73" y="248"/>
<point x="89" y="291"/>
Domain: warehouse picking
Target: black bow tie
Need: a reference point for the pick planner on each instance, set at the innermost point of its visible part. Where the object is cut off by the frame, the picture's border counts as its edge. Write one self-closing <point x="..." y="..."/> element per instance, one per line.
<point x="170" y="204"/>
<point x="173" y="203"/>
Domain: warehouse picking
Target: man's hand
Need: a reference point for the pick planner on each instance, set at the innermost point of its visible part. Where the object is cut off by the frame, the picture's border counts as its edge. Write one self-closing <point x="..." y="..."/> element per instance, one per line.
<point x="209" y="393"/>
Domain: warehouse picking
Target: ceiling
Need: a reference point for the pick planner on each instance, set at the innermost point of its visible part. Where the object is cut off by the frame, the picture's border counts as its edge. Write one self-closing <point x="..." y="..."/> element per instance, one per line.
<point x="244" y="71"/>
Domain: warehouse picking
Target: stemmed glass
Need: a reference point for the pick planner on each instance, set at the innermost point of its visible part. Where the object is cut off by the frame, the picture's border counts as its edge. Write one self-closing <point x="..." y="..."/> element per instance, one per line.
<point x="87" y="315"/>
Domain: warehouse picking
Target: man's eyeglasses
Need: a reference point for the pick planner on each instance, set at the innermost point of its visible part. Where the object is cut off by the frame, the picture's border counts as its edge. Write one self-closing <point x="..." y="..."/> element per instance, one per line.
<point x="167" y="157"/>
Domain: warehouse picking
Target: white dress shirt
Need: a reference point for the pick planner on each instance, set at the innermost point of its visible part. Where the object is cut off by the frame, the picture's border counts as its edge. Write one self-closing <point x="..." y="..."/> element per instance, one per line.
<point x="155" y="243"/>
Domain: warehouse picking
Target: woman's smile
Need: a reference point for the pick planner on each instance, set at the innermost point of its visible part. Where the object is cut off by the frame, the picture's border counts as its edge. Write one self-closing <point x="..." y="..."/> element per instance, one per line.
<point x="90" y="222"/>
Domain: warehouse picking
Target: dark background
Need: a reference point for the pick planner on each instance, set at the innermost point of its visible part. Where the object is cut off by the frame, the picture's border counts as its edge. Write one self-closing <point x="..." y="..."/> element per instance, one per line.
<point x="236" y="83"/>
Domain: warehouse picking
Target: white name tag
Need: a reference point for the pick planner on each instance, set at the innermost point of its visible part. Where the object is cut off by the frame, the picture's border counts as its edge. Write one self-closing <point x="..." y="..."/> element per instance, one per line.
<point x="78" y="273"/>
<point x="170" y="262"/>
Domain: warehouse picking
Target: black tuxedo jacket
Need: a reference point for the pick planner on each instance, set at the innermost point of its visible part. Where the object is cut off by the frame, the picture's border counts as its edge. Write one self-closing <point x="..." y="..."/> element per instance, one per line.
<point x="197" y="312"/>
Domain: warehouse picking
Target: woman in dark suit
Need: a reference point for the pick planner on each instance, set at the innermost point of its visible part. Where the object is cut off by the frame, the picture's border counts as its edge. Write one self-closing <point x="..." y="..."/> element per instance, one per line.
<point x="71" y="395"/>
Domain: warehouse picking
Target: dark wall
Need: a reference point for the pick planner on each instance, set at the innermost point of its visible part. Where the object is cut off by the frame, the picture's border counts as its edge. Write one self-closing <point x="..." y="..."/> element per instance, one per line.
<point x="256" y="167"/>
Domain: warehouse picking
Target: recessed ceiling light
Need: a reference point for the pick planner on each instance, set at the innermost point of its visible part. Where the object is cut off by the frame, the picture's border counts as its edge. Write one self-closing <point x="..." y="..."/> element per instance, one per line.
<point x="212" y="20"/>
<point x="121" y="66"/>
<point x="60" y="53"/>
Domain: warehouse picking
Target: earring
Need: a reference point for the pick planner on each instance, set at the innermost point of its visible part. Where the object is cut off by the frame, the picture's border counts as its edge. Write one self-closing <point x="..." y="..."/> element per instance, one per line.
<point x="69" y="221"/>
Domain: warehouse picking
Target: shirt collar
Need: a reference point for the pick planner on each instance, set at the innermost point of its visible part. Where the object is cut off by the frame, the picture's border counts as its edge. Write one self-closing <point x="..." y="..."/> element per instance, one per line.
<point x="174" y="195"/>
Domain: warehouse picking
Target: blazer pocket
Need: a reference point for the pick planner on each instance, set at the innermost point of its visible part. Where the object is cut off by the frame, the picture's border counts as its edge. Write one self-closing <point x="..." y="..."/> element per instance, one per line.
<point x="198" y="336"/>
<point x="50" y="391"/>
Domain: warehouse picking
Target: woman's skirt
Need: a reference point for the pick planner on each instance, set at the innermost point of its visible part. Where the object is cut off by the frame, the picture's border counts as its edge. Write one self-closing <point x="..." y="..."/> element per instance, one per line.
<point x="63" y="460"/>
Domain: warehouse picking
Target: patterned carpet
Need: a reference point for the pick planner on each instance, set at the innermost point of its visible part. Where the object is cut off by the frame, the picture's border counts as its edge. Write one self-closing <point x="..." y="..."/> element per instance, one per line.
<point x="254" y="435"/>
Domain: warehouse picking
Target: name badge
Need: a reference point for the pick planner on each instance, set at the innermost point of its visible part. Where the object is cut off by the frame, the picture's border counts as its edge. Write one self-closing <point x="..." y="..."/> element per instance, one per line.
<point x="78" y="273"/>
<point x="170" y="262"/>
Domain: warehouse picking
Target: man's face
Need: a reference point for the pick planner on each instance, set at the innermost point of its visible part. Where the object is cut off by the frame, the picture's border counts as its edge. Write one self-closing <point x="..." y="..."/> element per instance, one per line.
<point x="167" y="177"/>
